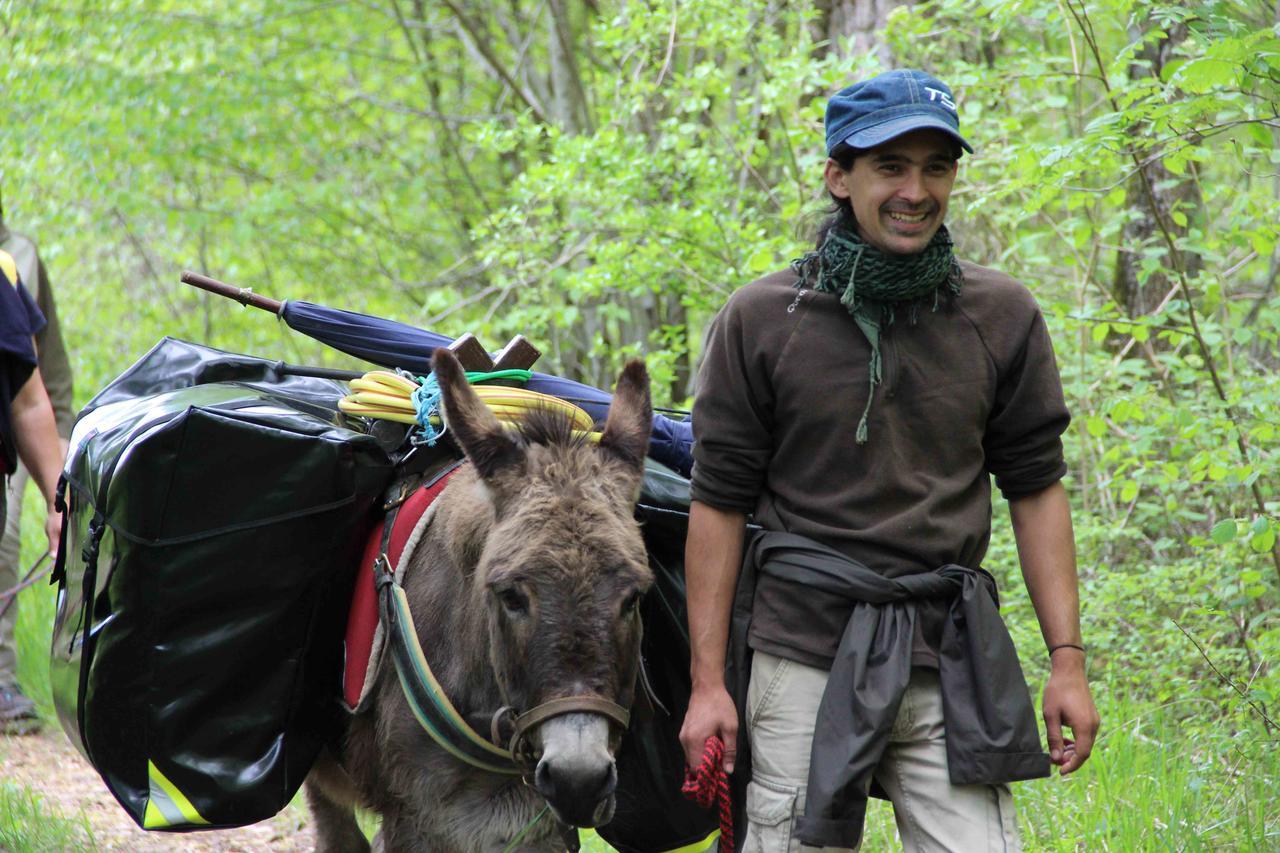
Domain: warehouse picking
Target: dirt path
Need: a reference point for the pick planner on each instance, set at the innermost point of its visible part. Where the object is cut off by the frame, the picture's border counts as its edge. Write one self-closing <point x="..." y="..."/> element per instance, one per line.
<point x="49" y="765"/>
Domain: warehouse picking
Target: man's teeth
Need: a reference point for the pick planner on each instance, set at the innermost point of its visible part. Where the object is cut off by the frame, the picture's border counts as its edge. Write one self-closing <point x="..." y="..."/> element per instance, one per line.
<point x="907" y="217"/>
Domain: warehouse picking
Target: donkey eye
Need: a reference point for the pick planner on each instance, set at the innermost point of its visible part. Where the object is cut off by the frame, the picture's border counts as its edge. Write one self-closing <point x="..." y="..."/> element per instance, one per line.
<point x="631" y="602"/>
<point x="513" y="601"/>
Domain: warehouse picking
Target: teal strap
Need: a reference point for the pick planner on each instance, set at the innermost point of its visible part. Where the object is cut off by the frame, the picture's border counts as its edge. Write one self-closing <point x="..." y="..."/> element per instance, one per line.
<point x="427" y="699"/>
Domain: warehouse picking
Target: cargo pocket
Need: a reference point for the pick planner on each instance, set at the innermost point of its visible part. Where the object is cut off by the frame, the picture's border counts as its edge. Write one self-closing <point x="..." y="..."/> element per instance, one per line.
<point x="770" y="815"/>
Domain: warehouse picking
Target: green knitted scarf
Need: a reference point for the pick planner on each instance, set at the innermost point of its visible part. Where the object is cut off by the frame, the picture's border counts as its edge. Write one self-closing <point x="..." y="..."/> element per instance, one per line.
<point x="872" y="284"/>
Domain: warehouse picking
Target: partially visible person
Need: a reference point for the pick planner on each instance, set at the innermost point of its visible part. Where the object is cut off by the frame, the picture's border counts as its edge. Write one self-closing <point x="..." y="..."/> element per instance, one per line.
<point x="28" y="434"/>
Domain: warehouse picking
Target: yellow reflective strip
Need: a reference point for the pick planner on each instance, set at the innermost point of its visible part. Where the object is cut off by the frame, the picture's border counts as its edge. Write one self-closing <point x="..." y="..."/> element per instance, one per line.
<point x="698" y="846"/>
<point x="175" y="796"/>
<point x="9" y="266"/>
<point x="424" y="669"/>
<point x="153" y="818"/>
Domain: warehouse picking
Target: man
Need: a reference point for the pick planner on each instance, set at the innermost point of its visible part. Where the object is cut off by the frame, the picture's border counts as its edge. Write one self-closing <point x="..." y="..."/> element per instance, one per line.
<point x="17" y="712"/>
<point x="856" y="406"/>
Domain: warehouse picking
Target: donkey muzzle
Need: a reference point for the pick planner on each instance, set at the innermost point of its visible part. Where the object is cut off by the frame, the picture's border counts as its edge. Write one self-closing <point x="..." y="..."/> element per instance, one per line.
<point x="576" y="773"/>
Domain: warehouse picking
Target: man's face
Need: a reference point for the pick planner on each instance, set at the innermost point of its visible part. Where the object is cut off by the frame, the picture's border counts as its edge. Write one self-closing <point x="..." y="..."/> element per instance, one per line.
<point x="899" y="190"/>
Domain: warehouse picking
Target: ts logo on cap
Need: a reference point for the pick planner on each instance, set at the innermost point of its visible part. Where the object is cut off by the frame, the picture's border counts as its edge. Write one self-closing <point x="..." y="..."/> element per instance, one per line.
<point x="943" y="97"/>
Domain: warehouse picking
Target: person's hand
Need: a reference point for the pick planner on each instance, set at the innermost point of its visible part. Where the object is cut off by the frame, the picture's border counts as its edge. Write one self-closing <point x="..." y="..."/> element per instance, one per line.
<point x="711" y="712"/>
<point x="1067" y="702"/>
<point x="53" y="530"/>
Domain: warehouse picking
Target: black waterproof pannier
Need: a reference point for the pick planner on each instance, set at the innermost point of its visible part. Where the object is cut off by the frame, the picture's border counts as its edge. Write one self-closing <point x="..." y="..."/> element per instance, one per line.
<point x="217" y="509"/>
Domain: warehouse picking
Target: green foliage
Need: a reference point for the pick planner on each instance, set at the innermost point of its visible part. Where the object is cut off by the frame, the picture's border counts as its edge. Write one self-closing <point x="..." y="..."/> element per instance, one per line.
<point x="452" y="169"/>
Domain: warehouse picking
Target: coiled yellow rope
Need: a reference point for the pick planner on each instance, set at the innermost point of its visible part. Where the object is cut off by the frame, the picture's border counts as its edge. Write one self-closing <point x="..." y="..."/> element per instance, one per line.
<point x="389" y="396"/>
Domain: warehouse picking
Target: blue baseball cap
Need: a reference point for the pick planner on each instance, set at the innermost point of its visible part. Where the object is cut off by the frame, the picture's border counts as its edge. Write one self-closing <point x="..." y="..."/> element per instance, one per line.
<point x="874" y="111"/>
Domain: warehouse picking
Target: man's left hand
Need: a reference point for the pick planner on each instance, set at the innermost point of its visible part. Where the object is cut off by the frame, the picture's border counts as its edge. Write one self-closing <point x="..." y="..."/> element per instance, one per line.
<point x="1067" y="702"/>
<point x="53" y="530"/>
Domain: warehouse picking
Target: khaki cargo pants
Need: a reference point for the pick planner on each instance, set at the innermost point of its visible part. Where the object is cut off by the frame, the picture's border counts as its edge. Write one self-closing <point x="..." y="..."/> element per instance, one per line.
<point x="931" y="813"/>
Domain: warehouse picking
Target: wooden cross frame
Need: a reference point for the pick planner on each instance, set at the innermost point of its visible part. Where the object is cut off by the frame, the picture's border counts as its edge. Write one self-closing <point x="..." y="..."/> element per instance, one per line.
<point x="518" y="354"/>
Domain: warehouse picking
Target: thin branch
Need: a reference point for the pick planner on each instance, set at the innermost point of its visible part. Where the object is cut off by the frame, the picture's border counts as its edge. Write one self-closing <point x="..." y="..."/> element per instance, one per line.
<point x="671" y="45"/>
<point x="1258" y="709"/>
<point x="479" y="41"/>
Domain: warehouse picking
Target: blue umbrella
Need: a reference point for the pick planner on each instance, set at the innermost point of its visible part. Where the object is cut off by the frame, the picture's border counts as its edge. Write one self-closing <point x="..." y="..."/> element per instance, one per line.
<point x="384" y="342"/>
<point x="398" y="345"/>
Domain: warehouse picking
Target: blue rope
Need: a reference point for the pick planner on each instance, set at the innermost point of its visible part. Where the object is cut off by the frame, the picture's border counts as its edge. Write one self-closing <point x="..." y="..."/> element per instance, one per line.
<point x="426" y="401"/>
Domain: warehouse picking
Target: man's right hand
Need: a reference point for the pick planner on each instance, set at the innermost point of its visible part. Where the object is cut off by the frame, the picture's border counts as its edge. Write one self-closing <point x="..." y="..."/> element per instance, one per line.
<point x="711" y="712"/>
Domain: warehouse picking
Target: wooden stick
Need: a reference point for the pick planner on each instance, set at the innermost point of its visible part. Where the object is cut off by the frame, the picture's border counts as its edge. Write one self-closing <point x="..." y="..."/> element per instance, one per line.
<point x="243" y="295"/>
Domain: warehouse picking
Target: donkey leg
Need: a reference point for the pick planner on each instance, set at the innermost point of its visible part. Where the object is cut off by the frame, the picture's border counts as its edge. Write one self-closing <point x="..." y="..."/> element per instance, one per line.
<point x="333" y="815"/>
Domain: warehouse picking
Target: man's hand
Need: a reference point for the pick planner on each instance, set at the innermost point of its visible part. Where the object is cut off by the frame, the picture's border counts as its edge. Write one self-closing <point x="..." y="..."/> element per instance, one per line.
<point x="711" y="712"/>
<point x="713" y="554"/>
<point x="1067" y="702"/>
<point x="53" y="530"/>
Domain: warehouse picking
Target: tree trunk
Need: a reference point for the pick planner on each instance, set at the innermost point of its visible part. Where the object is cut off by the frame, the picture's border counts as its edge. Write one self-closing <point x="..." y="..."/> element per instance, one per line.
<point x="569" y="98"/>
<point x="1134" y="293"/>
<point x="838" y="20"/>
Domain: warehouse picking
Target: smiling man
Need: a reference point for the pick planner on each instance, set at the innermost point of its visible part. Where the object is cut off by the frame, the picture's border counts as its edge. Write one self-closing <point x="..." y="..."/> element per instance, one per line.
<point x="856" y="407"/>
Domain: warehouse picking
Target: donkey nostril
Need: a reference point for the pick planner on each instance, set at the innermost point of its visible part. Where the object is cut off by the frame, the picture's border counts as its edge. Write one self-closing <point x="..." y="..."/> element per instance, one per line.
<point x="610" y="781"/>
<point x="581" y="795"/>
<point x="597" y="787"/>
<point x="542" y="780"/>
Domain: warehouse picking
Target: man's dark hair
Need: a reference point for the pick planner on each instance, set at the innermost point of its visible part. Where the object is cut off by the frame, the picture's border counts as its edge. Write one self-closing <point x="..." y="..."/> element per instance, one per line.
<point x="841" y="209"/>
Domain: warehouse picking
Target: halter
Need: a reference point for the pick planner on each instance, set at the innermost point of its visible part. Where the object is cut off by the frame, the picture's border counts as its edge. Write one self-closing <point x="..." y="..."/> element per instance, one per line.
<point x="438" y="716"/>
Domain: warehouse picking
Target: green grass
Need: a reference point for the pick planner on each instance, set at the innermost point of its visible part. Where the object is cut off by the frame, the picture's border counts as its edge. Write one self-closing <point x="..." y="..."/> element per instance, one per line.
<point x="27" y="823"/>
<point x="1162" y="778"/>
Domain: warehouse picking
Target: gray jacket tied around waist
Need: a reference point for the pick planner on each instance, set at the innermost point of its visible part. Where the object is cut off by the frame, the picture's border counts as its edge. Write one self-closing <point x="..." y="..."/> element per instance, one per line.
<point x="990" y="721"/>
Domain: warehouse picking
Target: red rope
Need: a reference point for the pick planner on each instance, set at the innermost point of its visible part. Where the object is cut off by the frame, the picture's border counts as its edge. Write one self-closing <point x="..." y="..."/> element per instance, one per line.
<point x="708" y="784"/>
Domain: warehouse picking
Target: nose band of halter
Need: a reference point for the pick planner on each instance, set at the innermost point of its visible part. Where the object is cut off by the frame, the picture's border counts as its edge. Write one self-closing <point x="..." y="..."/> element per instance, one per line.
<point x="536" y="716"/>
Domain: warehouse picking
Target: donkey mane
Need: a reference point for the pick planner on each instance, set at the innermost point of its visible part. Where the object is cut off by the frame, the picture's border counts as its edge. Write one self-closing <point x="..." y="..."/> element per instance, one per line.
<point x="549" y="428"/>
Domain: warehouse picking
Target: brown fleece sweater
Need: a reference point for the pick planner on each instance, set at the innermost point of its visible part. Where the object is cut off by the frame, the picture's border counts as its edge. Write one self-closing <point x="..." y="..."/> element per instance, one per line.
<point x="970" y="390"/>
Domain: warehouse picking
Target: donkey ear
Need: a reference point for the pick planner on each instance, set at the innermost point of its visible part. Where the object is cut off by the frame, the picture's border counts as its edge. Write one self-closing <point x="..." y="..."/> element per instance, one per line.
<point x="626" y="432"/>
<point x="476" y="429"/>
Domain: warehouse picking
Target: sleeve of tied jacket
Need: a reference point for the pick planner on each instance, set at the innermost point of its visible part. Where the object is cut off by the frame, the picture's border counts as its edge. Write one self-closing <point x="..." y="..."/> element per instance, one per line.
<point x="732" y="412"/>
<point x="1023" y="441"/>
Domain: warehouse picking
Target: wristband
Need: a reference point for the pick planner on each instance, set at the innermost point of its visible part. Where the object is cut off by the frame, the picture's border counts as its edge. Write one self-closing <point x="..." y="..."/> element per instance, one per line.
<point x="1053" y="649"/>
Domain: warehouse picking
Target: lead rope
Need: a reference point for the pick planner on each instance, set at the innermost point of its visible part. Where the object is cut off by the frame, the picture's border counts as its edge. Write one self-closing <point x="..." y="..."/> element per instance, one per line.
<point x="708" y="785"/>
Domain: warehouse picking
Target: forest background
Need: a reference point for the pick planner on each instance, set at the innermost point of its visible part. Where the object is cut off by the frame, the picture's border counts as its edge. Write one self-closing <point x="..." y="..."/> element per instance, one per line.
<point x="600" y="174"/>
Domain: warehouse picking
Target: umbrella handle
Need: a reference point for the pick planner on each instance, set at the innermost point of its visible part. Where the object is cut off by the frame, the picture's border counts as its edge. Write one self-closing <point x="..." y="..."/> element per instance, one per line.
<point x="243" y="295"/>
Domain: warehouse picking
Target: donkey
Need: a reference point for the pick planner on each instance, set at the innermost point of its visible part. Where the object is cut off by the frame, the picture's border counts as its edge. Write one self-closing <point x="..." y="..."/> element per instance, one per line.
<point x="524" y="590"/>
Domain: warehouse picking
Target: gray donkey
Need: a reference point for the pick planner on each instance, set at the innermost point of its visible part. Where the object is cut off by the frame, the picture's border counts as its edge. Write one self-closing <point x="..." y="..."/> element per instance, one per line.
<point x="524" y="590"/>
